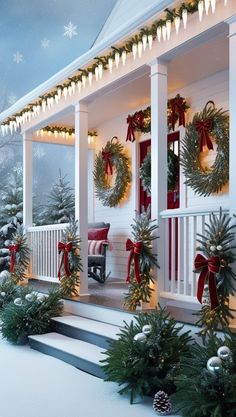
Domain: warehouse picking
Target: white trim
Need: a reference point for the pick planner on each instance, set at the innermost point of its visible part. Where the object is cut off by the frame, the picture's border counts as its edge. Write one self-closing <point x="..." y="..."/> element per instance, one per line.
<point x="43" y="228"/>
<point x="192" y="211"/>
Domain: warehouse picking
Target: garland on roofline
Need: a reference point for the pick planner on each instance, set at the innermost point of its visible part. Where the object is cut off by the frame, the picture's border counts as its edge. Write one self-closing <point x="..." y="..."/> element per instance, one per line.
<point x="158" y="29"/>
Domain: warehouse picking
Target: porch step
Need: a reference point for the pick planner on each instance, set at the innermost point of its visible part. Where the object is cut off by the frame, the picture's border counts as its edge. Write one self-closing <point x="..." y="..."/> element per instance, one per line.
<point x="78" y="353"/>
<point x="87" y="330"/>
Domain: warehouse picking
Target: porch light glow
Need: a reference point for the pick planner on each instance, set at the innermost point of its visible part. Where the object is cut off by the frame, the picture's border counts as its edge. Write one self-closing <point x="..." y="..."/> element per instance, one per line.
<point x="150" y="39"/>
<point x="213" y="6"/>
<point x="159" y="33"/>
<point x="200" y="9"/>
<point x="144" y="40"/>
<point x="168" y="28"/>
<point x="84" y="79"/>
<point x="100" y="70"/>
<point x="79" y="84"/>
<point x="134" y="50"/>
<point x="185" y="17"/>
<point x="117" y="59"/>
<point x="90" y="77"/>
<point x="110" y="64"/>
<point x="163" y="31"/>
<point x="207" y="5"/>
<point x="123" y="57"/>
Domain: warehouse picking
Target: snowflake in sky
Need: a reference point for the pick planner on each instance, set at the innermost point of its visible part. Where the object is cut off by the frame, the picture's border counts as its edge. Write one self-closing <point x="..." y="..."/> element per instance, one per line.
<point x="45" y="43"/>
<point x="70" y="30"/>
<point x="17" y="57"/>
<point x="12" y="99"/>
<point x="39" y="152"/>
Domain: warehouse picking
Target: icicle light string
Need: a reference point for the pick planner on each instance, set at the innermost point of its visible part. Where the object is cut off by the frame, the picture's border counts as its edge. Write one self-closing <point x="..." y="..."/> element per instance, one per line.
<point x="161" y="30"/>
<point x="65" y="132"/>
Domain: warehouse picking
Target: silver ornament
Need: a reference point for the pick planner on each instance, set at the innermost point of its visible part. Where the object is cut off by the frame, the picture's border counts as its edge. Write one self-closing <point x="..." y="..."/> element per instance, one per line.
<point x="219" y="247"/>
<point x="140" y="337"/>
<point x="18" y="301"/>
<point x="29" y="297"/>
<point x="147" y="329"/>
<point x="41" y="298"/>
<point x="214" y="364"/>
<point x="3" y="294"/>
<point x="224" y="352"/>
<point x="212" y="248"/>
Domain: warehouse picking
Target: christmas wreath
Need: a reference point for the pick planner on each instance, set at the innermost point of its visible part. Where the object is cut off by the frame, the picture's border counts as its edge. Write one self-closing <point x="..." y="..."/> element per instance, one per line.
<point x="111" y="159"/>
<point x="209" y="125"/>
<point x="173" y="171"/>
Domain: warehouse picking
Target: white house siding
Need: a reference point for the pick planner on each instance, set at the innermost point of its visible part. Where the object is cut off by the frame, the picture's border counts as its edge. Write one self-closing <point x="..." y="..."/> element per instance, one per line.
<point x="213" y="88"/>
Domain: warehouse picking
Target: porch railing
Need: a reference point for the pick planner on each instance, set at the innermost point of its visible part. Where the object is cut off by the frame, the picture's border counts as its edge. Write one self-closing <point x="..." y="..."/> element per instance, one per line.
<point x="181" y="227"/>
<point x="43" y="242"/>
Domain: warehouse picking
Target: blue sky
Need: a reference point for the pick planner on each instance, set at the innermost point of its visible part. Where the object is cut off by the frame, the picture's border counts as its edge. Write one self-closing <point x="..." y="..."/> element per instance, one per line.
<point x="25" y="60"/>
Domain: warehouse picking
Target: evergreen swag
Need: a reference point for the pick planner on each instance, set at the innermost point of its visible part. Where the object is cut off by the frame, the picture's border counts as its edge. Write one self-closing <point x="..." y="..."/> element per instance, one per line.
<point x="202" y="392"/>
<point x="29" y="314"/>
<point x="214" y="124"/>
<point x="172" y="174"/>
<point x="111" y="195"/>
<point x="217" y="241"/>
<point x="143" y="365"/>
<point x="69" y="283"/>
<point x="8" y="291"/>
<point x="20" y="255"/>
<point x="143" y="231"/>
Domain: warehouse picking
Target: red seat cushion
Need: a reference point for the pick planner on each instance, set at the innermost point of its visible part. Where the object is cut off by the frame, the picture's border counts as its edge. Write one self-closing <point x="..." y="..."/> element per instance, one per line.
<point x="98" y="234"/>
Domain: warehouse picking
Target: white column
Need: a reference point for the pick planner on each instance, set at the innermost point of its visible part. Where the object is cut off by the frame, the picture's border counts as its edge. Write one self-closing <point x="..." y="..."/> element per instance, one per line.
<point x="27" y="179"/>
<point x="81" y="187"/>
<point x="159" y="160"/>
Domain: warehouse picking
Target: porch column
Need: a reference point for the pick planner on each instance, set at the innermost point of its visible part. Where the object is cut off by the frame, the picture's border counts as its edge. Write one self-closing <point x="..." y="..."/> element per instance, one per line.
<point x="81" y="187"/>
<point x="27" y="179"/>
<point x="232" y="109"/>
<point x="159" y="160"/>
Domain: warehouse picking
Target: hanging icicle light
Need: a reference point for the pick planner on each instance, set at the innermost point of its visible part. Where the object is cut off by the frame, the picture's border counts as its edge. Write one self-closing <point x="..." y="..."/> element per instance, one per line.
<point x="79" y="85"/>
<point x="65" y="91"/>
<point x="144" y="40"/>
<point x="70" y="90"/>
<point x="225" y="2"/>
<point x="163" y="31"/>
<point x="43" y="107"/>
<point x="159" y="33"/>
<point x="207" y="5"/>
<point x="55" y="133"/>
<point x="123" y="57"/>
<point x="110" y="64"/>
<point x="100" y="70"/>
<point x="213" y="6"/>
<point x="117" y="59"/>
<point x="177" y="24"/>
<point x="73" y="87"/>
<point x="200" y="9"/>
<point x="49" y="132"/>
<point x="134" y="50"/>
<point x="140" y="49"/>
<point x="150" y="40"/>
<point x="168" y="28"/>
<point x="84" y="79"/>
<point x="51" y="101"/>
<point x="185" y="17"/>
<point x="59" y="92"/>
<point x="90" y="77"/>
<point x="96" y="73"/>
<point x="48" y="103"/>
<point x="3" y="129"/>
<point x="56" y="99"/>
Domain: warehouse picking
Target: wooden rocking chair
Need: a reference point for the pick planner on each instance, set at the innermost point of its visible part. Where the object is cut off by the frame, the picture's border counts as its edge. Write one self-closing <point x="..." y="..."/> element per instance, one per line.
<point x="97" y="248"/>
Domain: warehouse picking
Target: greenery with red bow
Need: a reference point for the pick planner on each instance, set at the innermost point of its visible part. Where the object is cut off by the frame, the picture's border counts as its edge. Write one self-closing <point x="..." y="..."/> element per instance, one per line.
<point x="217" y="281"/>
<point x="19" y="256"/>
<point x="141" y="261"/>
<point x="70" y="266"/>
<point x="209" y="126"/>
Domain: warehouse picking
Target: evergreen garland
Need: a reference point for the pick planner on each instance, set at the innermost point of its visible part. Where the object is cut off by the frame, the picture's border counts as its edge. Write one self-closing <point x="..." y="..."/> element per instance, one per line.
<point x="206" y="181"/>
<point x="69" y="284"/>
<point x="217" y="240"/>
<point x="111" y="195"/>
<point x="143" y="230"/>
<point x="8" y="291"/>
<point x="29" y="314"/>
<point x="202" y="389"/>
<point x="22" y="256"/>
<point x="146" y="356"/>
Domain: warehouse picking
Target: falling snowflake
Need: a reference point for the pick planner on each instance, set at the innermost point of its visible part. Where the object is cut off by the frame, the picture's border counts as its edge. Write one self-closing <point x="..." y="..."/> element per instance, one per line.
<point x="17" y="57"/>
<point x="39" y="152"/>
<point x="45" y="43"/>
<point x="70" y="30"/>
<point x="12" y="99"/>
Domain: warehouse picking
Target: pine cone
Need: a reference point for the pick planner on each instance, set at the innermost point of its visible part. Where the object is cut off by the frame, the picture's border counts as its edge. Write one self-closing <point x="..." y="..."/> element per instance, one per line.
<point x="161" y="403"/>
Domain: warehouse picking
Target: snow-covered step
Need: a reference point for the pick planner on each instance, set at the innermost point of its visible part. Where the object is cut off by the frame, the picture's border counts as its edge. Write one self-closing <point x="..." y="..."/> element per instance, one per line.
<point x="88" y="330"/>
<point x="78" y="353"/>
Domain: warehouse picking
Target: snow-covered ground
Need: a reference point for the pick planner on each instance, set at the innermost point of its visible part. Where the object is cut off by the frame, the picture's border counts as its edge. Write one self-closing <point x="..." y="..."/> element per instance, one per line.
<point x="35" y="385"/>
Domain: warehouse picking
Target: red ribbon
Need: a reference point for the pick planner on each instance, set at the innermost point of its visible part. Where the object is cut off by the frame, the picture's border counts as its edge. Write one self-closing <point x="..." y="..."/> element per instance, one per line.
<point x="106" y="156"/>
<point x="177" y="110"/>
<point x="203" y="127"/>
<point x="134" y="122"/>
<point x="65" y="248"/>
<point x="13" y="249"/>
<point x="209" y="267"/>
<point x="135" y="250"/>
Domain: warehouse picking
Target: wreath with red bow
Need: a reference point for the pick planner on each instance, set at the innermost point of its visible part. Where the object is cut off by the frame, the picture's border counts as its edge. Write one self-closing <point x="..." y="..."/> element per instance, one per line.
<point x="208" y="129"/>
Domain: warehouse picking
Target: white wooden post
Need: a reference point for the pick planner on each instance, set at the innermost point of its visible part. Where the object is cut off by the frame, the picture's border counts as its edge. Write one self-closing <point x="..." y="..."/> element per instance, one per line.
<point x="159" y="160"/>
<point x="81" y="187"/>
<point x="27" y="179"/>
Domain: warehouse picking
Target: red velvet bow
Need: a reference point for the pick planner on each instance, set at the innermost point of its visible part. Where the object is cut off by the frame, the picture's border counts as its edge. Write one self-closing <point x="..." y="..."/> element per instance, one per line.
<point x="134" y="122"/>
<point x="106" y="156"/>
<point x="209" y="267"/>
<point x="65" y="248"/>
<point x="203" y="127"/>
<point x="135" y="250"/>
<point x="176" y="105"/>
<point x="13" y="249"/>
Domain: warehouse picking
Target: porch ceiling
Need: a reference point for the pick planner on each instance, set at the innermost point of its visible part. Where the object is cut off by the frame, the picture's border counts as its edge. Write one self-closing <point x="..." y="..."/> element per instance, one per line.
<point x="134" y="92"/>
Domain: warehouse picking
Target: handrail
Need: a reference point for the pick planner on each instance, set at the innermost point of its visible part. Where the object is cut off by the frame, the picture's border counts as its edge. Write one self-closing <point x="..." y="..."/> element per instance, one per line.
<point x="192" y="211"/>
<point x="59" y="226"/>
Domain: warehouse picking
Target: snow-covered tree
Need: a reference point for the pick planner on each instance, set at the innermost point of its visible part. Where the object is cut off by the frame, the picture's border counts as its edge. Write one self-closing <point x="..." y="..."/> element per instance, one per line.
<point x="11" y="214"/>
<point x="61" y="203"/>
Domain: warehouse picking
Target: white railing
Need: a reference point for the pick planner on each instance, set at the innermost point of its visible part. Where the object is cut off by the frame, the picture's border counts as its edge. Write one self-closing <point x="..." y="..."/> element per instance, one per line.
<point x="181" y="227"/>
<point x="43" y="241"/>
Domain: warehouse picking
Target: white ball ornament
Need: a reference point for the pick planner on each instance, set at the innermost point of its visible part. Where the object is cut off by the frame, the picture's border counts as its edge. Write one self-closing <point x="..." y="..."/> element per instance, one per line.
<point x="140" y="337"/>
<point x="3" y="294"/>
<point x="18" y="301"/>
<point x="212" y="248"/>
<point x="219" y="247"/>
<point x="224" y="352"/>
<point x="41" y="298"/>
<point x="147" y="329"/>
<point x="214" y="364"/>
<point x="29" y="297"/>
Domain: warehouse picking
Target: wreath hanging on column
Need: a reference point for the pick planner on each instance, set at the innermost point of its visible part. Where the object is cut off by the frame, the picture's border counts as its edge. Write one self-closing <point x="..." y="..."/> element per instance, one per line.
<point x="111" y="163"/>
<point x="208" y="126"/>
